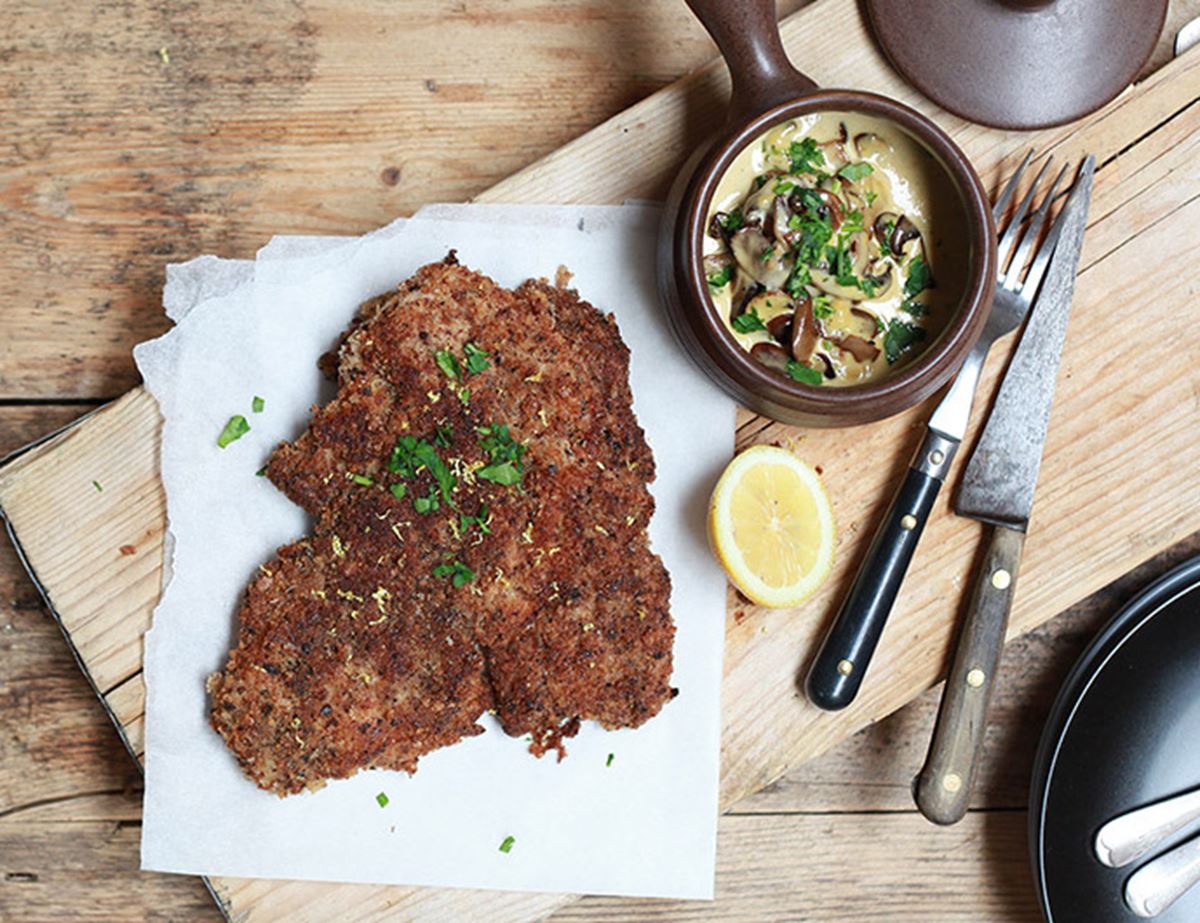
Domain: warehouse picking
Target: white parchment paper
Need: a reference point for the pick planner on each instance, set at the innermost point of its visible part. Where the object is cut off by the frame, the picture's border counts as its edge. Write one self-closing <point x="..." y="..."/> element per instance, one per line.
<point x="646" y="825"/>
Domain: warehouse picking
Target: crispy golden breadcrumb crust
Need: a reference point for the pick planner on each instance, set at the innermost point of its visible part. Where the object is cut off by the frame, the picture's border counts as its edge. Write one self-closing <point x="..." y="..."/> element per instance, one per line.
<point x="352" y="654"/>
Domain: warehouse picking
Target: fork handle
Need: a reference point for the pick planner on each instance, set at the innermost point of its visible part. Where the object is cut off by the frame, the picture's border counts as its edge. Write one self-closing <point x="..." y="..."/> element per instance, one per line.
<point x="943" y="789"/>
<point x="1158" y="884"/>
<point x="1128" y="837"/>
<point x="837" y="671"/>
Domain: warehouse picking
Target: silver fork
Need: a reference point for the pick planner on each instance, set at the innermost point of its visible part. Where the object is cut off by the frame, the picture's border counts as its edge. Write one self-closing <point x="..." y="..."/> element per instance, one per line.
<point x="1126" y="838"/>
<point x="838" y="670"/>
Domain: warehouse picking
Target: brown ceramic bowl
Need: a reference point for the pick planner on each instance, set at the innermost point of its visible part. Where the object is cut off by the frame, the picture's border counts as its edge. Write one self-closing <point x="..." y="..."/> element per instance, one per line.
<point x="768" y="91"/>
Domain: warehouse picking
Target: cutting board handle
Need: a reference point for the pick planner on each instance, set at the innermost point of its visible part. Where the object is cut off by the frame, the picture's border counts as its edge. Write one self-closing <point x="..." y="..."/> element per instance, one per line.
<point x="747" y="33"/>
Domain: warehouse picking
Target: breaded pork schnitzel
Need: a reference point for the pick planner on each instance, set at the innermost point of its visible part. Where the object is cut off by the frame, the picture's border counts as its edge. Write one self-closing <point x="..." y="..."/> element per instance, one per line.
<point x="479" y="493"/>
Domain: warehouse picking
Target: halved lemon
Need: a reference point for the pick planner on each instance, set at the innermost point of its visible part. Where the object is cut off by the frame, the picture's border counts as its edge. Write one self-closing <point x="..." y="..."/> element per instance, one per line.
<point x="771" y="526"/>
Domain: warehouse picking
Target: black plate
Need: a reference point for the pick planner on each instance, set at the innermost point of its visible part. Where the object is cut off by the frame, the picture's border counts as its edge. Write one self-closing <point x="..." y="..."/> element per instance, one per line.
<point x="1124" y="732"/>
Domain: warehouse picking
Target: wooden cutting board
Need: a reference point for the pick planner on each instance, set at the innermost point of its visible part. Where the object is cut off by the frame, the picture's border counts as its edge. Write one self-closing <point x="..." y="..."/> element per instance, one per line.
<point x="1120" y="481"/>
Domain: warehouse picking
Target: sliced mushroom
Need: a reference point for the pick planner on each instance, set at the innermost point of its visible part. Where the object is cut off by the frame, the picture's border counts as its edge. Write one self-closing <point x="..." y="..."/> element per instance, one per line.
<point x="879" y="274"/>
<point x="716" y="262"/>
<point x="769" y="305"/>
<point x="830" y="371"/>
<point x="804" y="329"/>
<point x="884" y="226"/>
<point x="862" y="350"/>
<point x="748" y="296"/>
<point x="717" y="226"/>
<point x="868" y="144"/>
<point x="762" y="259"/>
<point x="868" y="324"/>
<point x="781" y="216"/>
<point x="780" y="328"/>
<point x="902" y="233"/>
<point x="771" y="355"/>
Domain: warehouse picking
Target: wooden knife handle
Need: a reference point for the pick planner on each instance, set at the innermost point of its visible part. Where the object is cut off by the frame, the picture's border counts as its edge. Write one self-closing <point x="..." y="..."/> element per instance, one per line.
<point x="943" y="789"/>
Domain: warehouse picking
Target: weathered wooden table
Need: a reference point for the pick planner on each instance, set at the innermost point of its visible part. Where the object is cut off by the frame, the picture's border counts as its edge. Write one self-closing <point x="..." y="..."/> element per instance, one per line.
<point x="124" y="148"/>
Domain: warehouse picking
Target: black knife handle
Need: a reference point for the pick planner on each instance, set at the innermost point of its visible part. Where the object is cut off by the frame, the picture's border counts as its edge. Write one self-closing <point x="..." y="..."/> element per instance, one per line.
<point x="841" y="663"/>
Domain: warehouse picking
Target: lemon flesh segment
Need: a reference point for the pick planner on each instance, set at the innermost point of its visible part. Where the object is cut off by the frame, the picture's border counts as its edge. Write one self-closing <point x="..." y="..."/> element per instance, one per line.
<point x="772" y="527"/>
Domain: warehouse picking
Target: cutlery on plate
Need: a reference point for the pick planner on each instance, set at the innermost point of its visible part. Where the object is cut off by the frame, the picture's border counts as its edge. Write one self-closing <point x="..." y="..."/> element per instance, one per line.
<point x="997" y="488"/>
<point x="841" y="663"/>
<point x="1129" y="836"/>
<point x="1158" y="884"/>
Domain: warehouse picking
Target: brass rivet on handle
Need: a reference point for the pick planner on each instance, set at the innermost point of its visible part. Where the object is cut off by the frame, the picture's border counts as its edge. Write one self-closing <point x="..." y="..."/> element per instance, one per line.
<point x="845" y="667"/>
<point x="975" y="678"/>
<point x="908" y="522"/>
<point x="1001" y="579"/>
<point x="951" y="782"/>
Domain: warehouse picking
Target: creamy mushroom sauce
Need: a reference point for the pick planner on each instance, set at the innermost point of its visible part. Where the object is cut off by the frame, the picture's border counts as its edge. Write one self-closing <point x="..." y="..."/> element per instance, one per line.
<point x="834" y="248"/>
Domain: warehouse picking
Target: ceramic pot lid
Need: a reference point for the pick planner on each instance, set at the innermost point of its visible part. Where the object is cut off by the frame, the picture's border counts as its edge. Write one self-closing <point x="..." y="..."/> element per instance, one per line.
<point x="1018" y="63"/>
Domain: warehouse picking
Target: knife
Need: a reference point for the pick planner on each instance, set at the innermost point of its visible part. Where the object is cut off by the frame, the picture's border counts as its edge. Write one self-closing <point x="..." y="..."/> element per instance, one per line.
<point x="997" y="488"/>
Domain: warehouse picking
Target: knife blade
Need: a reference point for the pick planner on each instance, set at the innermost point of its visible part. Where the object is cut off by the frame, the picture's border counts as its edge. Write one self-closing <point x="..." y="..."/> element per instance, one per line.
<point x="997" y="488"/>
<point x="1000" y="477"/>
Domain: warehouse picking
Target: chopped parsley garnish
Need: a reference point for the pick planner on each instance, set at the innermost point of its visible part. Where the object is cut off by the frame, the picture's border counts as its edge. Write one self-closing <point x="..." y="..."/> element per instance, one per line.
<point x="235" y="429"/>
<point x="460" y="575"/>
<point x="795" y="283"/>
<point x="805" y="374"/>
<point x="361" y="479"/>
<point x="822" y="307"/>
<point x="448" y="364"/>
<point x="768" y="252"/>
<point x="748" y="322"/>
<point x="852" y="223"/>
<point x="441" y="435"/>
<point x="428" y="503"/>
<point x="479" y="521"/>
<point x="853" y="172"/>
<point x="731" y="221"/>
<point x="841" y="265"/>
<point x="783" y="187"/>
<point x="398" y="490"/>
<point x="900" y="337"/>
<point x="382" y="799"/>
<point x="257" y="404"/>
<point x="608" y="762"/>
<point x="805" y="156"/>
<point x="477" y="359"/>
<point x="813" y="223"/>
<point x="915" y="308"/>
<point x="463" y="395"/>
<point x="96" y="484"/>
<point x="919" y="277"/>
<point x="721" y="278"/>
<point x="505" y="473"/>
<point x="870" y="197"/>
<point x="261" y="472"/>
<point x="504" y="454"/>
<point x="507" y="845"/>
<point x="411" y="454"/>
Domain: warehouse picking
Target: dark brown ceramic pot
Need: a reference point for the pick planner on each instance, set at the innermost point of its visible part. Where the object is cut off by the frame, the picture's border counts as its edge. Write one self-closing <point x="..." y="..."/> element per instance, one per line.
<point x="767" y="91"/>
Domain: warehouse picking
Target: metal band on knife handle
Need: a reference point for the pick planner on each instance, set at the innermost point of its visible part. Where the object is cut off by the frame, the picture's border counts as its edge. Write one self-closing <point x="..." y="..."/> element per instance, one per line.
<point x="943" y="789"/>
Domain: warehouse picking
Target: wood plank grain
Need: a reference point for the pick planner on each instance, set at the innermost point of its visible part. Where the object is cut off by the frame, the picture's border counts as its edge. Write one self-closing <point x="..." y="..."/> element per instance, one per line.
<point x="1152" y="104"/>
<point x="139" y="134"/>
<point x="852" y="868"/>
